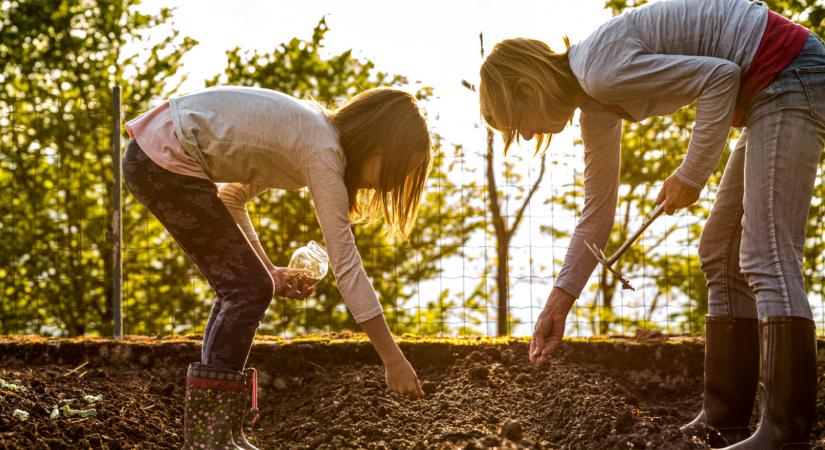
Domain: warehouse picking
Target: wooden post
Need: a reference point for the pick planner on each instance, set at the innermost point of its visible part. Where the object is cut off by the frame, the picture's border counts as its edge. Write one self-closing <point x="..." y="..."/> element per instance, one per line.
<point x="117" y="219"/>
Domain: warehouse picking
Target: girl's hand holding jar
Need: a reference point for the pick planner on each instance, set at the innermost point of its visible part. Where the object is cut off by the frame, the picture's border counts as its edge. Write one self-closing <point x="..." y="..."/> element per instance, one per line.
<point x="308" y="265"/>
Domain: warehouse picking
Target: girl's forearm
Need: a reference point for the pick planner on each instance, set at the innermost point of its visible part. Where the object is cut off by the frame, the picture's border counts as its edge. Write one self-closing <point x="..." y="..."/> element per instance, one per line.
<point x="259" y="249"/>
<point x="235" y="196"/>
<point x="242" y="219"/>
<point x="381" y="338"/>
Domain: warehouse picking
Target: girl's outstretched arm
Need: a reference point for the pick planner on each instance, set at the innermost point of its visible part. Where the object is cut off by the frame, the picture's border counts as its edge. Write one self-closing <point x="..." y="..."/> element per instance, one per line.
<point x="399" y="373"/>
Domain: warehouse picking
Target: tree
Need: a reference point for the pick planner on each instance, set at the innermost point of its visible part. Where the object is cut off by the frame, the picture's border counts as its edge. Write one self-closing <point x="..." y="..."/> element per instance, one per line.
<point x="285" y="220"/>
<point x="59" y="62"/>
<point x="502" y="230"/>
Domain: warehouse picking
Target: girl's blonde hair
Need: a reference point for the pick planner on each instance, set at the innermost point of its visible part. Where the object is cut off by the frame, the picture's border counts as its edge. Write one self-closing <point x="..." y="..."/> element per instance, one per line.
<point x="524" y="63"/>
<point x="387" y="123"/>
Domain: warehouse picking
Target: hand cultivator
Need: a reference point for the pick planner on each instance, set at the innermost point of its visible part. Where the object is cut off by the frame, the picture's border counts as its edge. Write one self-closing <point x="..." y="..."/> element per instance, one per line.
<point x="608" y="262"/>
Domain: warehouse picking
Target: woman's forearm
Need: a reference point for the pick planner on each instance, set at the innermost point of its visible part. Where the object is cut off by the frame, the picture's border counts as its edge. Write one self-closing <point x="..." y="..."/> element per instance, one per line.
<point x="381" y="338"/>
<point x="558" y="295"/>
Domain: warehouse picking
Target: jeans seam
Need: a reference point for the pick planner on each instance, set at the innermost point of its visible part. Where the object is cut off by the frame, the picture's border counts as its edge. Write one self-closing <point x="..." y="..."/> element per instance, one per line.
<point x="727" y="261"/>
<point x="808" y="94"/>
<point x="771" y="214"/>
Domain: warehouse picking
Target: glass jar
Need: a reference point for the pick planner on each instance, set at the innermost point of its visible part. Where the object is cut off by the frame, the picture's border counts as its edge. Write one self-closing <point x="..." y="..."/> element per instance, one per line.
<point x="311" y="263"/>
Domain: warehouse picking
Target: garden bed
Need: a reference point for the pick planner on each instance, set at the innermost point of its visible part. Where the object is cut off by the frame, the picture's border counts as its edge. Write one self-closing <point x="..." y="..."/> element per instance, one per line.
<point x="328" y="392"/>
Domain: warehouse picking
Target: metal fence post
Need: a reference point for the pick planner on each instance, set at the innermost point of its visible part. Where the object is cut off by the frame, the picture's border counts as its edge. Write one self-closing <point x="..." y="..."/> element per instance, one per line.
<point x="117" y="219"/>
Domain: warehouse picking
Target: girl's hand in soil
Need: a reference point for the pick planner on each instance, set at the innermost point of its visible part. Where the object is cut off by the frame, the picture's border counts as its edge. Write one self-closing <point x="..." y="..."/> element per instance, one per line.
<point x="675" y="194"/>
<point x="401" y="378"/>
<point x="398" y="372"/>
<point x="292" y="283"/>
<point x="549" y="329"/>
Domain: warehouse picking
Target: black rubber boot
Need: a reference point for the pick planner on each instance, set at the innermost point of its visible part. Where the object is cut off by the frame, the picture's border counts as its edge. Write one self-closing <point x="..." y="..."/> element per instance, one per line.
<point x="731" y="373"/>
<point x="212" y="398"/>
<point x="787" y="384"/>
<point x="247" y="414"/>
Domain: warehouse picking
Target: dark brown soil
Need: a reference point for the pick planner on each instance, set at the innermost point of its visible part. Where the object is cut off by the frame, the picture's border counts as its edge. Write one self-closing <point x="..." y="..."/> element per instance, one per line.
<point x="331" y="394"/>
<point x="138" y="408"/>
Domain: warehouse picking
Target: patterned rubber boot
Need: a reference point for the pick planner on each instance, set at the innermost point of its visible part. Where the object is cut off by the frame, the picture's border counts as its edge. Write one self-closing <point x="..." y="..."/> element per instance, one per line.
<point x="247" y="415"/>
<point x="212" y="398"/>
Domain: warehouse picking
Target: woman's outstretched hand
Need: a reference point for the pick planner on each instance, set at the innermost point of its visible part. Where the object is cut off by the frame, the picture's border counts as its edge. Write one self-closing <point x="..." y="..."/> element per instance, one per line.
<point x="549" y="329"/>
<point x="675" y="195"/>
<point x="292" y="283"/>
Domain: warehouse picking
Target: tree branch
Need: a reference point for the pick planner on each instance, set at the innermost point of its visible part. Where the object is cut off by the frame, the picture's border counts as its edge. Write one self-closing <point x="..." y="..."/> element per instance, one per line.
<point x="520" y="213"/>
<point x="492" y="189"/>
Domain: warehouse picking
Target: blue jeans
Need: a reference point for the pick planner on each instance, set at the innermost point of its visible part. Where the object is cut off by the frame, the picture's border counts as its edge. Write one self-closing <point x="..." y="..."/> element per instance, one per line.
<point x="751" y="246"/>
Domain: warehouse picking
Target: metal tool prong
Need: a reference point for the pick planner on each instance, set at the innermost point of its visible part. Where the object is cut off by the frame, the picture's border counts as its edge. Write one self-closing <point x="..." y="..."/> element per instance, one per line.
<point x="592" y="250"/>
<point x="601" y="258"/>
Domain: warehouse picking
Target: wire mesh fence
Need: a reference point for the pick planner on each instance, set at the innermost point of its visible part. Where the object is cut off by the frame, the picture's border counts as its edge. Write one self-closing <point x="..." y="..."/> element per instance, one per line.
<point x="56" y="245"/>
<point x="52" y="221"/>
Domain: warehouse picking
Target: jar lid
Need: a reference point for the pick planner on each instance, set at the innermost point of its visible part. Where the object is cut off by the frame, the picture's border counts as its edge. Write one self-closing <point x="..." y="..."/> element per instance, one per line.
<point x="318" y="250"/>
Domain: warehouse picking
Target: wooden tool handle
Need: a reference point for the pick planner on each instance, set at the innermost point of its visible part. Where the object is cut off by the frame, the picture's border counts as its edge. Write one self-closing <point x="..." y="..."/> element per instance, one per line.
<point x="648" y="220"/>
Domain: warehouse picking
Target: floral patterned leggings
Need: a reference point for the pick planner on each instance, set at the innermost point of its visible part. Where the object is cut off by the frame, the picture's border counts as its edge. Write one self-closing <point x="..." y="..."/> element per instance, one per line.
<point x="197" y="219"/>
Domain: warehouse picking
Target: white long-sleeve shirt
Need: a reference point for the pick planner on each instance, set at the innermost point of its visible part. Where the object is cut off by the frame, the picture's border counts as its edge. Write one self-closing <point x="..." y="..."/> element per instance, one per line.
<point x="256" y="139"/>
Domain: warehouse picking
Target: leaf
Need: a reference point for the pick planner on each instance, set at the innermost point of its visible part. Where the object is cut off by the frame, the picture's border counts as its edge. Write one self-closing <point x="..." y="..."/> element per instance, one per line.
<point x="68" y="411"/>
<point x="93" y="398"/>
<point x="84" y="412"/>
<point x="9" y="386"/>
<point x="20" y="414"/>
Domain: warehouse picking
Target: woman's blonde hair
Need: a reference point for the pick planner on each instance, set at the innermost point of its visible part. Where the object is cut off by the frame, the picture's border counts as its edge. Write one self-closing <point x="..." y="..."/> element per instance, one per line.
<point x="520" y="63"/>
<point x="387" y="123"/>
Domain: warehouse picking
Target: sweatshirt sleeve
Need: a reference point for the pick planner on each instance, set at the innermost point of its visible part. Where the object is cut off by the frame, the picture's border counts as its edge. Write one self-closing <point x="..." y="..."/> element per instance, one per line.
<point x="601" y="133"/>
<point x="235" y="196"/>
<point x="325" y="179"/>
<point x="680" y="79"/>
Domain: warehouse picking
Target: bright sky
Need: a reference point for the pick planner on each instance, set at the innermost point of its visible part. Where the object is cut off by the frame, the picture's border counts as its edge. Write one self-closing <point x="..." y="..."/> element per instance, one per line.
<point x="434" y="41"/>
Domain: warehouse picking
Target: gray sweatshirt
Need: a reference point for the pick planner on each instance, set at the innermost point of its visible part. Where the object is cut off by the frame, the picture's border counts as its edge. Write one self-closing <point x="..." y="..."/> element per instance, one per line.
<point x="256" y="139"/>
<point x="651" y="61"/>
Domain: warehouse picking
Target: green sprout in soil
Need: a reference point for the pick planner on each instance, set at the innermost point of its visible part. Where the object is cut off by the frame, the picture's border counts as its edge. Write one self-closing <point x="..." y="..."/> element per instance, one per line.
<point x="9" y="386"/>
<point x="20" y="414"/>
<point x="67" y="411"/>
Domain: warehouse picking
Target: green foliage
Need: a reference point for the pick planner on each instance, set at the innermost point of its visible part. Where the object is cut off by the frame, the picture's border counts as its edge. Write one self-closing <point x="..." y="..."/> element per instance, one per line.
<point x="618" y="6"/>
<point x="59" y="62"/>
<point x="297" y="68"/>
